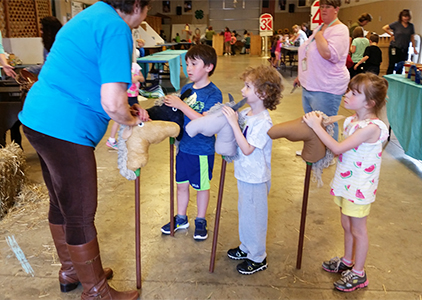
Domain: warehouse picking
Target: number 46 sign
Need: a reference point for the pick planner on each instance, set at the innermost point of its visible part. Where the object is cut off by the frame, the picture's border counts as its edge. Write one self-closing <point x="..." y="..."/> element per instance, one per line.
<point x="266" y="25"/>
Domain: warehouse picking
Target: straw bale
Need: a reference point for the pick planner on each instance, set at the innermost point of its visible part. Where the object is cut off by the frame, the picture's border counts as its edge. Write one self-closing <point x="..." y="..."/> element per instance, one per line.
<point x="12" y="176"/>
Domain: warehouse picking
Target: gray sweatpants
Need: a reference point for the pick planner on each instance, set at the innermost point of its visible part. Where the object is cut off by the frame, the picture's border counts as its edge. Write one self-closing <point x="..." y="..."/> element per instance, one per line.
<point x="253" y="218"/>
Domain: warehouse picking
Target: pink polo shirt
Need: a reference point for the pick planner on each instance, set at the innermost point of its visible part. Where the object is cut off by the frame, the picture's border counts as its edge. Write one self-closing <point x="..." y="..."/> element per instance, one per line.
<point x="329" y="76"/>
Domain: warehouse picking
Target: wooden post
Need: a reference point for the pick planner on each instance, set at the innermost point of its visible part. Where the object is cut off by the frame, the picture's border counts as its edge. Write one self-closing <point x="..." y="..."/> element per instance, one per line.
<point x="303" y="216"/>
<point x="138" y="228"/>
<point x="217" y="214"/>
<point x="171" y="186"/>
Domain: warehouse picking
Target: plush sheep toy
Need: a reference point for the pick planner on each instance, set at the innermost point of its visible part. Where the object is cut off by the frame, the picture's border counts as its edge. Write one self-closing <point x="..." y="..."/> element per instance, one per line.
<point x="214" y="122"/>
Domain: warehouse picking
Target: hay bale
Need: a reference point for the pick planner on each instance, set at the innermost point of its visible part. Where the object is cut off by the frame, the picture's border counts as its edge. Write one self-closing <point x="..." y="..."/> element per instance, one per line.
<point x="12" y="176"/>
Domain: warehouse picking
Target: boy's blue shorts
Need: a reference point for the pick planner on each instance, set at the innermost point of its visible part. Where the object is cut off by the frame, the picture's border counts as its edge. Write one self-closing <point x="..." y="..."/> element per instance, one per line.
<point x="194" y="169"/>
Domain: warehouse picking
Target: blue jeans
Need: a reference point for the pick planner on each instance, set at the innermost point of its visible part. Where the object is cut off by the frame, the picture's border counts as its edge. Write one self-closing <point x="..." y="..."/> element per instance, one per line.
<point x="325" y="102"/>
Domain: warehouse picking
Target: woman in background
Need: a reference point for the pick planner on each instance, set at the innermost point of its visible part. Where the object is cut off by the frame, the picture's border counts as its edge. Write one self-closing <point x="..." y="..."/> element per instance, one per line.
<point x="322" y="63"/>
<point x="402" y="33"/>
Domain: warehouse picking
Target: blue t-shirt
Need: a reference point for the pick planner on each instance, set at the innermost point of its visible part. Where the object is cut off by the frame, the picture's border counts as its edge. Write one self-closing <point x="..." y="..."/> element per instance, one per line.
<point x="200" y="101"/>
<point x="93" y="48"/>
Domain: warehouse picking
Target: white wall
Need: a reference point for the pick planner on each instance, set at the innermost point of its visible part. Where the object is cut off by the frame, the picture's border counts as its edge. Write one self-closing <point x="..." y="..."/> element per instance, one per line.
<point x="29" y="50"/>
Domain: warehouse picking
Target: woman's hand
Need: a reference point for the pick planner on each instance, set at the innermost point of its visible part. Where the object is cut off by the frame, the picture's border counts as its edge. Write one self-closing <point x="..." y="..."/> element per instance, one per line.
<point x="312" y="119"/>
<point x="296" y="82"/>
<point x="322" y="44"/>
<point x="8" y="69"/>
<point x="142" y="114"/>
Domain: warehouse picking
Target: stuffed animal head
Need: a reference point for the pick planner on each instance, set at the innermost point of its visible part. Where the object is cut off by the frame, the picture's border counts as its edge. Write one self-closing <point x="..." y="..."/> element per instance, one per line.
<point x="162" y="112"/>
<point x="314" y="151"/>
<point x="134" y="142"/>
<point x="297" y="130"/>
<point x="167" y="113"/>
<point x="214" y="122"/>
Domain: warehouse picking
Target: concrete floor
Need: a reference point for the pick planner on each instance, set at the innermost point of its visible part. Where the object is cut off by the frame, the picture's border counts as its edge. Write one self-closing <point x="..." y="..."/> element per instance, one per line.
<point x="177" y="267"/>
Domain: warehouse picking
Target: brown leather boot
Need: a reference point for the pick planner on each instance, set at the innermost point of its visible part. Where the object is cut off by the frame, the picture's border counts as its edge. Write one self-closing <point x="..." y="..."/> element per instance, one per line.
<point x="87" y="262"/>
<point x="67" y="275"/>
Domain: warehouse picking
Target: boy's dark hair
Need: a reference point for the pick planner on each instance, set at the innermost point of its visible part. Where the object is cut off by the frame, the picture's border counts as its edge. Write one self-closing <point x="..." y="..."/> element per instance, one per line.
<point x="267" y="82"/>
<point x="205" y="53"/>
<point x="374" y="37"/>
<point x="373" y="87"/>
<point x="127" y="6"/>
<point x="405" y="13"/>
<point x="50" y="26"/>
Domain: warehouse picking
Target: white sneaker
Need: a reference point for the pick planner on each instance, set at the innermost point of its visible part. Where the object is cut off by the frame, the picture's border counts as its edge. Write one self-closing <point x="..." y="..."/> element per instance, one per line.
<point x="299" y="153"/>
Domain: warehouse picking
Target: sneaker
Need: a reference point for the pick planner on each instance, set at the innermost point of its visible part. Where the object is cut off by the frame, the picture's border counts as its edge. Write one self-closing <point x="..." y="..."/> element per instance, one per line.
<point x="179" y="223"/>
<point x="350" y="281"/>
<point x="111" y="145"/>
<point x="248" y="267"/>
<point x="201" y="232"/>
<point x="335" y="265"/>
<point x="236" y="254"/>
<point x="225" y="54"/>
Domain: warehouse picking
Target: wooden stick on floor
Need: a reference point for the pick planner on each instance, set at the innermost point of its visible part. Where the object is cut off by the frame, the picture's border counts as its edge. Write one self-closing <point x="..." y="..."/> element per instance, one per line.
<point x="138" y="228"/>
<point x="217" y="214"/>
<point x="303" y="216"/>
<point x="171" y="186"/>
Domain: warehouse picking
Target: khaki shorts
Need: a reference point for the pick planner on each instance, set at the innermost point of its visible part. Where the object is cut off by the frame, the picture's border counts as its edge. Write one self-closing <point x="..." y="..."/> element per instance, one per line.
<point x="348" y="208"/>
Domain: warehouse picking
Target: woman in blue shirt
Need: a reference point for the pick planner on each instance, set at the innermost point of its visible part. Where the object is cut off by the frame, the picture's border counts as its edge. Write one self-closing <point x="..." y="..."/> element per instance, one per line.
<point x="81" y="86"/>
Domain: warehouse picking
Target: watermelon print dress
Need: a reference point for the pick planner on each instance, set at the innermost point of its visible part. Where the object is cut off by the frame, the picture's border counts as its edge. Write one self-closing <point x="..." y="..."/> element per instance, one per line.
<point x="358" y="169"/>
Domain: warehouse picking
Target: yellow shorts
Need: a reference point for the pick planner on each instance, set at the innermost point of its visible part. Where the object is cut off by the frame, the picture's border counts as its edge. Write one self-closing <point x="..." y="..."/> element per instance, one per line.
<point x="351" y="209"/>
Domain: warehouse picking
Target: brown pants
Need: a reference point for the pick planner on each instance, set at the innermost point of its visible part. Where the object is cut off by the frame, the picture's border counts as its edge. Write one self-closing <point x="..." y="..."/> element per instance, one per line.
<point x="70" y="174"/>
